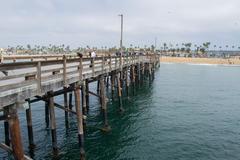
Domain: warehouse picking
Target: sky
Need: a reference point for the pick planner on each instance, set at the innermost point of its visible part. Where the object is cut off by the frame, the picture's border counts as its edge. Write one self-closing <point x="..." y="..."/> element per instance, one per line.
<point x="96" y="22"/>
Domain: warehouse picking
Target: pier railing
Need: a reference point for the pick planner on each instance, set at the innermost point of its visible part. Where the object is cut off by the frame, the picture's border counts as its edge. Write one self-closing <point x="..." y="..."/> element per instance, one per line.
<point x="22" y="80"/>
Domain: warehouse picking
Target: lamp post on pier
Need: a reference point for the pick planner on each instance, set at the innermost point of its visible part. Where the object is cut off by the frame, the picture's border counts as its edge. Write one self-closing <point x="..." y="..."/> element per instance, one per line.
<point x="120" y="76"/>
<point x="121" y="40"/>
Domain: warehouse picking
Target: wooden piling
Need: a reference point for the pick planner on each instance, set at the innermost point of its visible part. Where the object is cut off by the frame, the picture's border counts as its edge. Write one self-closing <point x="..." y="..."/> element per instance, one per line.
<point x="79" y="121"/>
<point x="29" y="126"/>
<point x="53" y="121"/>
<point x="138" y="74"/>
<point x="83" y="91"/>
<point x="15" y="133"/>
<point x="107" y="82"/>
<point x="70" y="101"/>
<point x="127" y="83"/>
<point x="142" y="72"/>
<point x="65" y="97"/>
<point x="133" y="78"/>
<point x="153" y="70"/>
<point x="150" y="72"/>
<point x="106" y="126"/>
<point x="6" y="128"/>
<point x="119" y="93"/>
<point x="47" y="112"/>
<point x="87" y="94"/>
<point x="112" y="84"/>
<point x="98" y="86"/>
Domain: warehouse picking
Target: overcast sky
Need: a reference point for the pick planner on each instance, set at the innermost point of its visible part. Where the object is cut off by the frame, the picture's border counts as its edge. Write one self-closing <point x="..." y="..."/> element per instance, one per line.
<point x="95" y="22"/>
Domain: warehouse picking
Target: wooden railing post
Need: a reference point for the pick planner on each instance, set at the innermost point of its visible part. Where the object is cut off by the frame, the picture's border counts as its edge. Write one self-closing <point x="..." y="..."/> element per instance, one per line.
<point x="80" y="68"/>
<point x="110" y="64"/>
<point x="93" y="67"/>
<point x="115" y="63"/>
<point x="120" y="62"/>
<point x="103" y="63"/>
<point x="39" y="73"/>
<point x="64" y="71"/>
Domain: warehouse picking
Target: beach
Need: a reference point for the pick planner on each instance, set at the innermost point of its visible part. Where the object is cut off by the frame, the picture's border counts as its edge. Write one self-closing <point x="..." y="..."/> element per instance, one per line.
<point x="229" y="61"/>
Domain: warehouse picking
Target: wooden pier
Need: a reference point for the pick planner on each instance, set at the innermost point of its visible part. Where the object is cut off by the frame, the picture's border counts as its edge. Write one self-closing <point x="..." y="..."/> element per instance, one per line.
<point x="41" y="79"/>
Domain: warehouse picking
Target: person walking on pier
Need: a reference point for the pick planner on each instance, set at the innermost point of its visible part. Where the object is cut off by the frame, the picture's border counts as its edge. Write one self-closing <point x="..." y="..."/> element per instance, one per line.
<point x="93" y="55"/>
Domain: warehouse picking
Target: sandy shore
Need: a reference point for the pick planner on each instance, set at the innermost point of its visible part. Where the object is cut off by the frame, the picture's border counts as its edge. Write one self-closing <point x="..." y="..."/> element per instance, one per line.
<point x="231" y="61"/>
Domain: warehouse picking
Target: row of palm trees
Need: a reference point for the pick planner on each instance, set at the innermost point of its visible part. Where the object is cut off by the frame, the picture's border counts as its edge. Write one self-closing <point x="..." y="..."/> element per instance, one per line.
<point x="37" y="49"/>
<point x="205" y="45"/>
<point x="64" y="49"/>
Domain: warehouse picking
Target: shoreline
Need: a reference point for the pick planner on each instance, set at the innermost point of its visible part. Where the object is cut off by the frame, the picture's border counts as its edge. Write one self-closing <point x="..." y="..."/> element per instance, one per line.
<point x="212" y="61"/>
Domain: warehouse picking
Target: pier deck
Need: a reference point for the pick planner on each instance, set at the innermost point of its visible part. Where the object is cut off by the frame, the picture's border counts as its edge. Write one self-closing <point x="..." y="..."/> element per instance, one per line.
<point x="27" y="82"/>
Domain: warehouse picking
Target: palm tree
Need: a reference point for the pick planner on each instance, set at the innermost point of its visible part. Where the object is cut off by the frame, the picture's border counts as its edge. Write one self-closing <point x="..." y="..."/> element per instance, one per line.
<point x="145" y="46"/>
<point x="215" y="46"/>
<point x="226" y="46"/>
<point x="220" y="47"/>
<point x="131" y="47"/>
<point x="206" y="45"/>
<point x="176" y="45"/>
<point x="164" y="46"/>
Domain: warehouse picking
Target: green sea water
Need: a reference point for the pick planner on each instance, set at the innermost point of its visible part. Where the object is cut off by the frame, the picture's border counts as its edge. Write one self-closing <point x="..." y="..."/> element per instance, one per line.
<point x="188" y="112"/>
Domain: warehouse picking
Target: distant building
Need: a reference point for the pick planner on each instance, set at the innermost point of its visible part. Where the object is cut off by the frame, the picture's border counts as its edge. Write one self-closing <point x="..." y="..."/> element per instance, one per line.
<point x="224" y="53"/>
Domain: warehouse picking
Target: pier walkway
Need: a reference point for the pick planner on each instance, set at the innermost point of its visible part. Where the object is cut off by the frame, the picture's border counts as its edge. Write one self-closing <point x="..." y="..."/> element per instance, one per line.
<point x="41" y="78"/>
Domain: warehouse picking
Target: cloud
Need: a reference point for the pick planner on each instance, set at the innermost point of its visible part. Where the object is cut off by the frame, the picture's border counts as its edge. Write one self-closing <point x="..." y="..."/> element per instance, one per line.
<point x="96" y="23"/>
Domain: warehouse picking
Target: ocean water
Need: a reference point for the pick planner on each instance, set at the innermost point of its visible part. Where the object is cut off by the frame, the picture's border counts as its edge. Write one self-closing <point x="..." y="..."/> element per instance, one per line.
<point x="188" y="112"/>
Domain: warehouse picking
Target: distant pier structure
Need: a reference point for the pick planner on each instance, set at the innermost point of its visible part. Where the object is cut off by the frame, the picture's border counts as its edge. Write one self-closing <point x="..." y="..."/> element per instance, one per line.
<point x="41" y="78"/>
